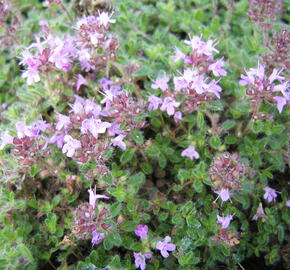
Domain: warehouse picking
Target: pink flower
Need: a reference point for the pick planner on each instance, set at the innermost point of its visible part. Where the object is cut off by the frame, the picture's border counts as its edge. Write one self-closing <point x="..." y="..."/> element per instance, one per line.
<point x="31" y="75"/>
<point x="190" y="152"/>
<point x="275" y="75"/>
<point x="189" y="75"/>
<point x="270" y="194"/>
<point x="92" y="107"/>
<point x="281" y="102"/>
<point x="104" y="19"/>
<point x="282" y="87"/>
<point x="44" y="25"/>
<point x="94" y="126"/>
<point x="177" y="116"/>
<point x="217" y="68"/>
<point x="161" y="83"/>
<point x="63" y="122"/>
<point x="77" y="107"/>
<point x="84" y="58"/>
<point x="93" y="197"/>
<point x="199" y="85"/>
<point x="253" y="73"/>
<point x="57" y="138"/>
<point x="105" y="83"/>
<point x="224" y="221"/>
<point x="179" y="83"/>
<point x="23" y="130"/>
<point x="260" y="213"/>
<point x="113" y="91"/>
<point x="209" y="47"/>
<point x="165" y="246"/>
<point x="42" y="125"/>
<point x="200" y="47"/>
<point x="169" y="104"/>
<point x="224" y="194"/>
<point x="114" y="129"/>
<point x="6" y="139"/>
<point x="70" y="146"/>
<point x="179" y="55"/>
<point x="97" y="237"/>
<point x="118" y="141"/>
<point x="258" y="72"/>
<point x="140" y="260"/>
<point x="81" y="81"/>
<point x="213" y="87"/>
<point x="287" y="203"/>
<point x="154" y="102"/>
<point x="142" y="231"/>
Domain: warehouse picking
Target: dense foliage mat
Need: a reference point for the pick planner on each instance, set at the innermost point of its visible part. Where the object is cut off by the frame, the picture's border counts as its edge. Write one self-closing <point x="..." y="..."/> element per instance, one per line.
<point x="144" y="134"/>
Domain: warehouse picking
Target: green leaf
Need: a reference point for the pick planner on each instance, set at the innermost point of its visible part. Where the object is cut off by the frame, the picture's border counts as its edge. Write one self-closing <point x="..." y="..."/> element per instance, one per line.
<point x="200" y="120"/>
<point x="153" y="151"/>
<point x="281" y="233"/>
<point x="226" y="251"/>
<point x="215" y="142"/>
<point x="56" y="200"/>
<point x="50" y="222"/>
<point x="183" y="175"/>
<point x="119" y="192"/>
<point x="137" y="179"/>
<point x="129" y="226"/>
<point x="137" y="137"/>
<point x="197" y="185"/>
<point x="186" y="259"/>
<point x="162" y="161"/>
<point x="25" y="251"/>
<point x="33" y="170"/>
<point x="127" y="155"/>
<point x="177" y="220"/>
<point x="231" y="139"/>
<point x="155" y="122"/>
<point x="112" y="239"/>
<point x="85" y="266"/>
<point x="278" y="129"/>
<point x="228" y="124"/>
<point x="115" y="209"/>
<point x="146" y="168"/>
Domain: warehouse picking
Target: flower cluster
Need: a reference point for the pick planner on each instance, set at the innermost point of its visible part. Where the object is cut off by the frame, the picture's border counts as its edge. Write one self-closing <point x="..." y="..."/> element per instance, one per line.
<point x="95" y="46"/>
<point x="262" y="88"/>
<point x="116" y="120"/>
<point x="87" y="133"/>
<point x="194" y="86"/>
<point x="29" y="144"/>
<point x="163" y="246"/>
<point x="227" y="172"/>
<point x="85" y="120"/>
<point x="91" y="47"/>
<point x="260" y="11"/>
<point x="89" y="223"/>
<point x="122" y="107"/>
<point x="10" y="23"/>
<point x="225" y="236"/>
<point x="278" y="57"/>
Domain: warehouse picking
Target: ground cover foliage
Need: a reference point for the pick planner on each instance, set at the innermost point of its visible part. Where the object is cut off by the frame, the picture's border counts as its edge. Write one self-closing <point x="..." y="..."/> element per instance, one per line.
<point x="144" y="134"/>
